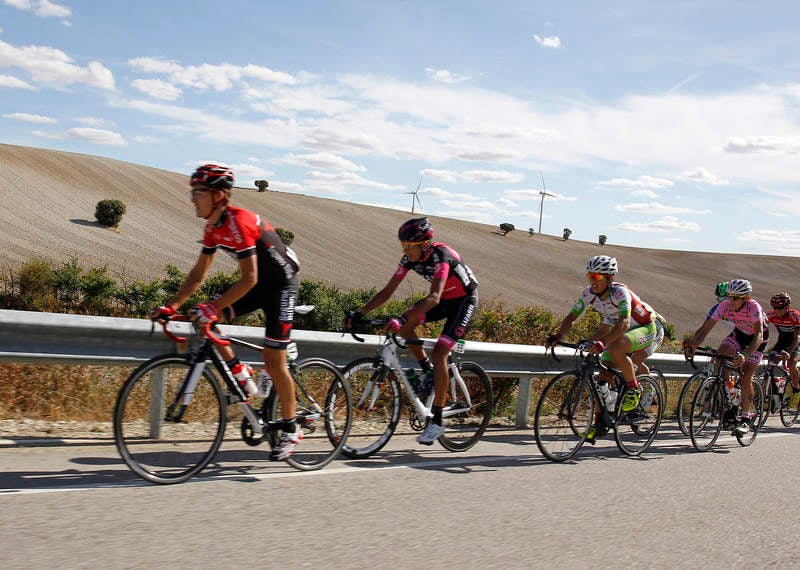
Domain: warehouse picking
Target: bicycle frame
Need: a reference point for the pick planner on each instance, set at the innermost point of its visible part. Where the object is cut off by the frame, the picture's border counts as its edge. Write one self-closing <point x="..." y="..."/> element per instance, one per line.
<point x="390" y="361"/>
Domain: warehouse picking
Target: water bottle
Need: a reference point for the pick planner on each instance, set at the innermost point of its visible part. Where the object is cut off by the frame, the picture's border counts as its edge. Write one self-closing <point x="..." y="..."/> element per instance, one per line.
<point x="426" y="385"/>
<point x="780" y="381"/>
<point x="264" y="384"/>
<point x="648" y="395"/>
<point x="608" y="400"/>
<point x="413" y="379"/>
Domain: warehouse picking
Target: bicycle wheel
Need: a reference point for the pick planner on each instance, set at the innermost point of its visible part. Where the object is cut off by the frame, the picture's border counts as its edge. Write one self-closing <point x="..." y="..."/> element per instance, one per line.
<point x="464" y="429"/>
<point x="636" y="430"/>
<point x="764" y="380"/>
<point x="563" y="415"/>
<point x="376" y="407"/>
<point x="709" y="405"/>
<point x="789" y="414"/>
<point x="162" y="451"/>
<point x="759" y="406"/>
<point x="324" y="414"/>
<point x="662" y="383"/>
<point x="684" y="410"/>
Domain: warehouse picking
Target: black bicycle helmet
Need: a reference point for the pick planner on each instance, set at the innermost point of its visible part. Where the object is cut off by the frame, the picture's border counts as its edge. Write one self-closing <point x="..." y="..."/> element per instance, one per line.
<point x="212" y="176"/>
<point x="416" y="229"/>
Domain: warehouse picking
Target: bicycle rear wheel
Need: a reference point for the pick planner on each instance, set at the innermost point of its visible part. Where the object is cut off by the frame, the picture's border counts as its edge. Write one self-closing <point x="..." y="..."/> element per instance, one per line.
<point x="684" y="410"/>
<point x="324" y="414"/>
<point x="636" y="430"/>
<point x="464" y="429"/>
<point x="162" y="451"/>
<point x="709" y="405"/>
<point x="563" y="415"/>
<point x="376" y="407"/>
<point x="789" y="414"/>
<point x="759" y="407"/>
<point x="768" y="407"/>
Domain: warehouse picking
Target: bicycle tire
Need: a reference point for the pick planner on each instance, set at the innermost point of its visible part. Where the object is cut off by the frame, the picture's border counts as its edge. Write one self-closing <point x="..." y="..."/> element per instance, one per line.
<point x="709" y="405"/>
<point x="374" y="423"/>
<point x="464" y="430"/>
<point x="564" y="412"/>
<point x="765" y="380"/>
<point x="760" y="407"/>
<point x="324" y="414"/>
<point x="684" y="409"/>
<point x="635" y="431"/>
<point x="662" y="383"/>
<point x="168" y="452"/>
<point x="788" y="414"/>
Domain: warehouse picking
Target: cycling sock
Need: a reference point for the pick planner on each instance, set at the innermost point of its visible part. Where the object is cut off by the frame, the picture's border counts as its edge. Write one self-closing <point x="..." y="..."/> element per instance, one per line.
<point x="289" y="426"/>
<point x="425" y="364"/>
<point x="437" y="415"/>
<point x="233" y="362"/>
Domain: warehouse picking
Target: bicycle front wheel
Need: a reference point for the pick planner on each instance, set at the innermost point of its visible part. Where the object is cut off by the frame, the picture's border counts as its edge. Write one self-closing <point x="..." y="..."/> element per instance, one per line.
<point x="376" y="407"/>
<point x="636" y="430"/>
<point x="709" y="405"/>
<point x="765" y="381"/>
<point x="324" y="414"/>
<point x="759" y="407"/>
<point x="162" y="451"/>
<point x="788" y="413"/>
<point x="473" y="401"/>
<point x="684" y="410"/>
<point x="563" y="415"/>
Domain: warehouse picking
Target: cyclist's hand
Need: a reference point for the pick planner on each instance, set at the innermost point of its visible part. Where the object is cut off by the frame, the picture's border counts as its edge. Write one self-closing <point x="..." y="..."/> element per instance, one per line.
<point x="162" y="314"/>
<point x="205" y="313"/>
<point x="351" y="318"/>
<point x="552" y="339"/>
<point x="785" y="356"/>
<point x="738" y="359"/>
<point x="596" y="347"/>
<point x="394" y="325"/>
<point x="688" y="349"/>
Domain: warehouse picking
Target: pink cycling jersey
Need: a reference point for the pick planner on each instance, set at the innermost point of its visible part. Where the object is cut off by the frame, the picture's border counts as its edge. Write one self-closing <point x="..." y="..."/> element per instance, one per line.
<point x="744" y="319"/>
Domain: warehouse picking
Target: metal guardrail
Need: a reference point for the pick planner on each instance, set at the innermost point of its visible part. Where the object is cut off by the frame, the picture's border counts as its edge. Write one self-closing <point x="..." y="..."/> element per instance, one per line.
<point x="50" y="338"/>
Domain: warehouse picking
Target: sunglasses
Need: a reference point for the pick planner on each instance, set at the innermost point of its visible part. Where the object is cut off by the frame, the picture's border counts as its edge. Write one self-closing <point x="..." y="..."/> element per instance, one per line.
<point x="197" y="192"/>
<point x="779" y="307"/>
<point x="735" y="297"/>
<point x="595" y="276"/>
<point x="411" y="244"/>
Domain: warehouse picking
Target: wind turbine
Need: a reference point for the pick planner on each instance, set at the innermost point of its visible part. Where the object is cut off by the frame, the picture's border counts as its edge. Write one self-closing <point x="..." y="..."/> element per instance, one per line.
<point x="415" y="196"/>
<point x="543" y="192"/>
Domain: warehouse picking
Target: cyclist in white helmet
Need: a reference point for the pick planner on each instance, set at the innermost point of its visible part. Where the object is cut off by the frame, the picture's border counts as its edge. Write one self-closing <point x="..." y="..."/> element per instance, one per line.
<point x="628" y="325"/>
<point x="746" y="342"/>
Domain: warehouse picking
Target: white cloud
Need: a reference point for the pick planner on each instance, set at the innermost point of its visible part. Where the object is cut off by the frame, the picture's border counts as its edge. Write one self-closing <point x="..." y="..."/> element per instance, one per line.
<point x="52" y="66"/>
<point x="27" y="117"/>
<point x="644" y="194"/>
<point x="501" y="176"/>
<point x="145" y="139"/>
<point x="642" y="182"/>
<point x="762" y="145"/>
<point x="445" y="76"/>
<point x="703" y="175"/>
<point x="207" y="76"/>
<point x="553" y="42"/>
<point x="665" y="224"/>
<point x="14" y="83"/>
<point x="321" y="160"/>
<point x="157" y="89"/>
<point x="93" y="121"/>
<point x="99" y="136"/>
<point x="779" y="242"/>
<point x="445" y="175"/>
<point x="42" y="8"/>
<point x="656" y="208"/>
<point x="342" y="182"/>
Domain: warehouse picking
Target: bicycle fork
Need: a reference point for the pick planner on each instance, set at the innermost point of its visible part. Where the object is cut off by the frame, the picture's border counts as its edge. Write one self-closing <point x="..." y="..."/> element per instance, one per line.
<point x="184" y="396"/>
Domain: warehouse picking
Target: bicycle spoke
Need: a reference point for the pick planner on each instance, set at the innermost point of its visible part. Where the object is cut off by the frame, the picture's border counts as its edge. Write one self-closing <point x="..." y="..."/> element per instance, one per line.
<point x="708" y="408"/>
<point x="474" y="407"/>
<point x="637" y="429"/>
<point x="563" y="416"/>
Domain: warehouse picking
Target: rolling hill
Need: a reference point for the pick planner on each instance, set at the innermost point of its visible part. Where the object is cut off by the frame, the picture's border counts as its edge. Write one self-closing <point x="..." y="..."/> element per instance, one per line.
<point x="49" y="199"/>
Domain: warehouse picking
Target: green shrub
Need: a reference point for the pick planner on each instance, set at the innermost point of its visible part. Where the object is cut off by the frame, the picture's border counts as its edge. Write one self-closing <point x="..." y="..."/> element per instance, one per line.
<point x="287" y="236"/>
<point x="109" y="212"/>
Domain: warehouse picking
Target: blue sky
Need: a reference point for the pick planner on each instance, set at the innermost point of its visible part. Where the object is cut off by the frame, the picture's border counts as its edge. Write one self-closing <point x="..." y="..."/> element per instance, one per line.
<point x="664" y="124"/>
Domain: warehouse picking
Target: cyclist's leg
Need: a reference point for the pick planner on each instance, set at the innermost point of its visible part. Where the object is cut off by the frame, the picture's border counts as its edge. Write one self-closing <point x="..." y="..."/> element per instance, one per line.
<point x="794" y="373"/>
<point x="458" y="313"/>
<point x="748" y="371"/>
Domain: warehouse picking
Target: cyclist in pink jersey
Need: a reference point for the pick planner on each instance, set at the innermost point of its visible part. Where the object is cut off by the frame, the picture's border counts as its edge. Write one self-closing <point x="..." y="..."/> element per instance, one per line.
<point x="453" y="296"/>
<point x="746" y="342"/>
<point x="268" y="281"/>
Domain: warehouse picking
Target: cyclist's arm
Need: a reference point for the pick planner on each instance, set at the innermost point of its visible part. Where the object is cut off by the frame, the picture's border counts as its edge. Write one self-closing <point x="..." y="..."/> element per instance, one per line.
<point x="616" y="332"/>
<point x="758" y="337"/>
<point x="248" y="267"/>
<point x="383" y="295"/>
<point x="193" y="280"/>
<point x="418" y="310"/>
<point x="701" y="333"/>
<point x="567" y="323"/>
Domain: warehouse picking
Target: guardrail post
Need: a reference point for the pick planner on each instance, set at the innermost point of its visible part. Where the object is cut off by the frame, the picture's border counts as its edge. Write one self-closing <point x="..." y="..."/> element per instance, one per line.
<point x="157" y="401"/>
<point x="523" y="401"/>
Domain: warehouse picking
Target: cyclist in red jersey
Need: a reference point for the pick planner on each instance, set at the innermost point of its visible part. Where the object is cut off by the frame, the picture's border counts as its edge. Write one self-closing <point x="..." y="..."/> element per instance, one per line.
<point x="268" y="281"/>
<point x="453" y="296"/>
<point x="787" y="322"/>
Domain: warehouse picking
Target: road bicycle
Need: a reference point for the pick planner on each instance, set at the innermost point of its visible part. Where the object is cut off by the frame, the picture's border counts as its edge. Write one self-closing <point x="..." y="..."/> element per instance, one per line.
<point x="377" y="382"/>
<point x="776" y="384"/>
<point x="716" y="402"/>
<point x="171" y="413"/>
<point x="571" y="403"/>
<point x="684" y="407"/>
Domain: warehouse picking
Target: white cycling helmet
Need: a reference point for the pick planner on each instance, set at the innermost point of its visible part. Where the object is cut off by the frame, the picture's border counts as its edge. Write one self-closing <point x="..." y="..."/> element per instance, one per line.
<point x="602" y="264"/>
<point x="739" y="287"/>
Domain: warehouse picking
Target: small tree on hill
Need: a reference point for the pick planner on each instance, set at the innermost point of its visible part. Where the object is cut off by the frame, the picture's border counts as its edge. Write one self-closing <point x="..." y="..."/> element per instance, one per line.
<point x="531" y="232"/>
<point x="567" y="233"/>
<point x="287" y="236"/>
<point x="505" y="228"/>
<point x="109" y="212"/>
<point x="602" y="239"/>
<point x="262" y="185"/>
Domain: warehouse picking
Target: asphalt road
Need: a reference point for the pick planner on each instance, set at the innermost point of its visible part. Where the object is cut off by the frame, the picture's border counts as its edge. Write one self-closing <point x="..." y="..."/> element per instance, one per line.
<point x="499" y="505"/>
